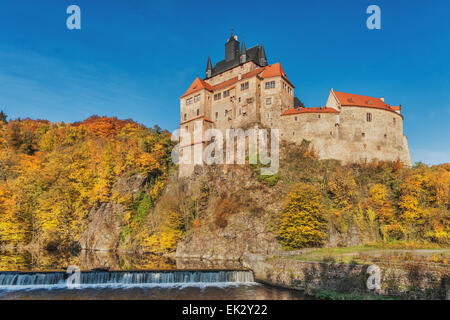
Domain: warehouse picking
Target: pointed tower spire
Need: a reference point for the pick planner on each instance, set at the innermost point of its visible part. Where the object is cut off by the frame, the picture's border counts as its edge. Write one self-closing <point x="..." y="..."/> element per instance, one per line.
<point x="209" y="68"/>
<point x="262" y="56"/>
<point x="243" y="57"/>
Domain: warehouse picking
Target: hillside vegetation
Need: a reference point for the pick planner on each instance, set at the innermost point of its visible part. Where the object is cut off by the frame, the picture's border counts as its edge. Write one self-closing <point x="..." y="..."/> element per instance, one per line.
<point x="59" y="182"/>
<point x="53" y="174"/>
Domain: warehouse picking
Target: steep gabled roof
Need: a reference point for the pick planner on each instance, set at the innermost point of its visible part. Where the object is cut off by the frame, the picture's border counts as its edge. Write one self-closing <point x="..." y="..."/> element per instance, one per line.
<point x="275" y="70"/>
<point x="197" y="85"/>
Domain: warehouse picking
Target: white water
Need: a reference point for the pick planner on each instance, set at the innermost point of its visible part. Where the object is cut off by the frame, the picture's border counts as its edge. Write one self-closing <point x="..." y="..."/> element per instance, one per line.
<point x="124" y="279"/>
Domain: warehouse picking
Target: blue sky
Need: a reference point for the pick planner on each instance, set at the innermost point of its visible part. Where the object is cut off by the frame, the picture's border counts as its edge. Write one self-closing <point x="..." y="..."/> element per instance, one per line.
<point x="133" y="59"/>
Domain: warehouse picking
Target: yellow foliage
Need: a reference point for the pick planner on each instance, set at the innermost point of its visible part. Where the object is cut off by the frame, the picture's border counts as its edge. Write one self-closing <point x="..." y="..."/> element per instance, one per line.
<point x="343" y="187"/>
<point x="302" y="222"/>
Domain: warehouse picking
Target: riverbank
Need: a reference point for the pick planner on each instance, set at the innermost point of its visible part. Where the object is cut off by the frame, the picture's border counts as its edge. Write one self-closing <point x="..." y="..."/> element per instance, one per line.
<point x="403" y="274"/>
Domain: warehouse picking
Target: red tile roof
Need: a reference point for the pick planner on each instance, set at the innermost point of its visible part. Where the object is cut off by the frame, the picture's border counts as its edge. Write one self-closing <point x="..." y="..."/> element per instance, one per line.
<point x="275" y="70"/>
<point x="309" y="110"/>
<point x="235" y="79"/>
<point x="197" y="85"/>
<point x="349" y="99"/>
<point x="267" y="72"/>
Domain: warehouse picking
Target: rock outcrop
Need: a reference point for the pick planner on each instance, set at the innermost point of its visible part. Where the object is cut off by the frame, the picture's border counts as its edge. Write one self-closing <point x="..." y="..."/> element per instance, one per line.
<point x="105" y="221"/>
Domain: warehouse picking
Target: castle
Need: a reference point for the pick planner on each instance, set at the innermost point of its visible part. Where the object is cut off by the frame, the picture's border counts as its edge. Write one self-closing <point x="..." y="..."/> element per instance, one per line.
<point x="244" y="89"/>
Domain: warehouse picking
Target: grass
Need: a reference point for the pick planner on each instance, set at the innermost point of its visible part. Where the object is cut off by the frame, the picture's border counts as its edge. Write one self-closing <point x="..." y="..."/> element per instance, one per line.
<point x="362" y="254"/>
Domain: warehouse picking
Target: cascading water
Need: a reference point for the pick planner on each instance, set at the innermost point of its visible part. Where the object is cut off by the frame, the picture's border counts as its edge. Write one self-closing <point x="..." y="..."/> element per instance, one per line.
<point x="19" y="280"/>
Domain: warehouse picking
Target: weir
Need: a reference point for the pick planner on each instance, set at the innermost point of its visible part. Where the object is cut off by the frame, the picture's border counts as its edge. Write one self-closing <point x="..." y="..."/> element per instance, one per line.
<point x="11" y="280"/>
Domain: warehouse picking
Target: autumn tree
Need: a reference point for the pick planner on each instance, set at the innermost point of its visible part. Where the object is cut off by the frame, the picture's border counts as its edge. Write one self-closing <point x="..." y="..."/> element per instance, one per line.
<point x="303" y="220"/>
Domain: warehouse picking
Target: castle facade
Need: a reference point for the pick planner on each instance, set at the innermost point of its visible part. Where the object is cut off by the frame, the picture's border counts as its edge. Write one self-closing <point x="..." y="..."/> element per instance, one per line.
<point x="243" y="89"/>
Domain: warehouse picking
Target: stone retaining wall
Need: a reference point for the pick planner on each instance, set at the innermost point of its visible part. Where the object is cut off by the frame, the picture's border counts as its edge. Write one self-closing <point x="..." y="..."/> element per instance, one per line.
<point x="406" y="280"/>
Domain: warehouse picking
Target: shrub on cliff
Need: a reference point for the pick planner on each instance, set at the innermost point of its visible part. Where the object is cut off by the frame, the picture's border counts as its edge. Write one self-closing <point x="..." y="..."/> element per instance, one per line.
<point x="303" y="221"/>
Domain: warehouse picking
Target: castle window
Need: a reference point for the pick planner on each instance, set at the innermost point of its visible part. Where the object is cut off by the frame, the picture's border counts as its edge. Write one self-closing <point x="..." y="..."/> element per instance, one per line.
<point x="185" y="116"/>
<point x="226" y="93"/>
<point x="363" y="134"/>
<point x="239" y="99"/>
<point x="268" y="115"/>
<point x="226" y="112"/>
<point x="385" y="136"/>
<point x="198" y="112"/>
<point x="295" y="118"/>
<point x="239" y="111"/>
<point x="188" y="101"/>
<point x="270" y="84"/>
<point x="244" y="86"/>
<point x="218" y="96"/>
<point x="293" y="133"/>
<point x="268" y="101"/>
<point x="284" y="86"/>
<point x="197" y="98"/>
<point x="217" y="115"/>
<point x="369" y="117"/>
<point x="318" y="116"/>
<point x="394" y="121"/>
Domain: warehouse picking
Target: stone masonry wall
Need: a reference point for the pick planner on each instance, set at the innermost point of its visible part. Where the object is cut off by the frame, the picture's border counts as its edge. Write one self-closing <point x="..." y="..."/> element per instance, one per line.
<point x="407" y="280"/>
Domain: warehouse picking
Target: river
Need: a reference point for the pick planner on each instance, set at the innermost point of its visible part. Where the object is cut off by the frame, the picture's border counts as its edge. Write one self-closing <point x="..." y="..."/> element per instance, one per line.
<point x="107" y="275"/>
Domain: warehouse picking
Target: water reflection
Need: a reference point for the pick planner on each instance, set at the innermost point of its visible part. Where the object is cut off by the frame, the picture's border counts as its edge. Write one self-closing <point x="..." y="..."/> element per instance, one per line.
<point x="85" y="260"/>
<point x="240" y="292"/>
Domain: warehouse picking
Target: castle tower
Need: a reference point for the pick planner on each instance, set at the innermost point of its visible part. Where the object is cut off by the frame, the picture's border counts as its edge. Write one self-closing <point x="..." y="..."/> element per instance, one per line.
<point x="209" y="68"/>
<point x="262" y="56"/>
<point x="232" y="48"/>
<point x="243" y="57"/>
